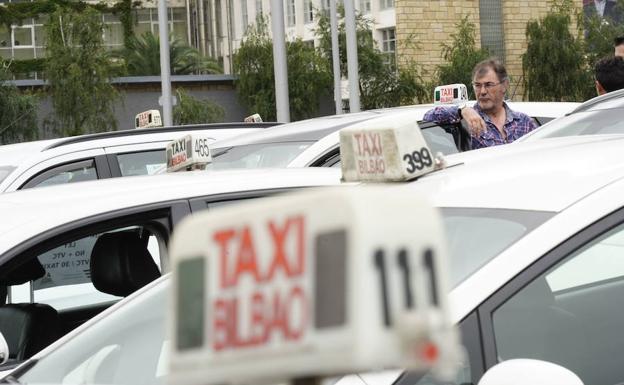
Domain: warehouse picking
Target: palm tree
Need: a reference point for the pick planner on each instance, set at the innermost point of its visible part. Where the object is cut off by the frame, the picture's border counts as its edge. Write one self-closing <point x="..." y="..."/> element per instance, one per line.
<point x="142" y="57"/>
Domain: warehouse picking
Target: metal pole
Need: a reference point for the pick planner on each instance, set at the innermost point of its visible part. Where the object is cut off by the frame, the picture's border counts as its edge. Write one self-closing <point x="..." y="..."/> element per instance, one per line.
<point x="188" y="22"/>
<point x="279" y="61"/>
<point x="165" y="72"/>
<point x="201" y="18"/>
<point x="352" y="57"/>
<point x="335" y="56"/>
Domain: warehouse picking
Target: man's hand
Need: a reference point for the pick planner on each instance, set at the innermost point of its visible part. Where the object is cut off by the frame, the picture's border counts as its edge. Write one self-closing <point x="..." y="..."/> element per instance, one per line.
<point x="475" y="122"/>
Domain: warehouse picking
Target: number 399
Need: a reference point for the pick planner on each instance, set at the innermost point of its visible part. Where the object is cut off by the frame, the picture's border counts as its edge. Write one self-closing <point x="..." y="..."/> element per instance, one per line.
<point x="418" y="160"/>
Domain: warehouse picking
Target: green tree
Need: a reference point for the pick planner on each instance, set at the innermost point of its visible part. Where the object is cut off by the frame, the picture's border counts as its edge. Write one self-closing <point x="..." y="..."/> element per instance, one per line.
<point x="78" y="71"/>
<point x="191" y="110"/>
<point x="382" y="84"/>
<point x="554" y="66"/>
<point x="18" y="116"/>
<point x="600" y="33"/>
<point x="308" y="75"/>
<point x="142" y="57"/>
<point x="461" y="55"/>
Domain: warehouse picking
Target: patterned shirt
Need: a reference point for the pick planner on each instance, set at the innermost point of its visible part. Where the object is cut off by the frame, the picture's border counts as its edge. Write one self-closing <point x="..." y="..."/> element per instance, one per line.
<point x="516" y="124"/>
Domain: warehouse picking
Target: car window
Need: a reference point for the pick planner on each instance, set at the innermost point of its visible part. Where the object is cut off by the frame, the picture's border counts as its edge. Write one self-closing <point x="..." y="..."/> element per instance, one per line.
<point x="67" y="283"/>
<point x="583" y="123"/>
<point x="257" y="155"/>
<point x="67" y="173"/>
<point x="476" y="235"/>
<point x="128" y="346"/>
<point x="439" y="140"/>
<point x="141" y="163"/>
<point x="571" y="314"/>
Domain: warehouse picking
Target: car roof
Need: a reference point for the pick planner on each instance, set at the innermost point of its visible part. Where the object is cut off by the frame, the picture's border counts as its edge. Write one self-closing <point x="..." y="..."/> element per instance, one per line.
<point x="547" y="175"/>
<point x="34" y="211"/>
<point x="311" y="130"/>
<point x="614" y="99"/>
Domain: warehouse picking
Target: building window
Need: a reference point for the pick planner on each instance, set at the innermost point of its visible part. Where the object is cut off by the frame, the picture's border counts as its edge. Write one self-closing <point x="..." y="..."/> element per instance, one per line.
<point x="290" y="13"/>
<point x="258" y="8"/>
<point x="365" y="6"/>
<point x="147" y="21"/>
<point x="491" y="27"/>
<point x="385" y="4"/>
<point x="308" y="11"/>
<point x="245" y="16"/>
<point x="388" y="40"/>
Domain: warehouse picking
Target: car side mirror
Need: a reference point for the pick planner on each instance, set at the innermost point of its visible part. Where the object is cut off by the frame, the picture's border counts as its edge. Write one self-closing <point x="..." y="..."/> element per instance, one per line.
<point x="526" y="371"/>
<point x="4" y="350"/>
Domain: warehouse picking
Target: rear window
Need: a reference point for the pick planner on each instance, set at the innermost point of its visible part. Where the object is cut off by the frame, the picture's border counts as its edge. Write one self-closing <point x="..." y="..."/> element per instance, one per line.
<point x="600" y="122"/>
<point x="263" y="155"/>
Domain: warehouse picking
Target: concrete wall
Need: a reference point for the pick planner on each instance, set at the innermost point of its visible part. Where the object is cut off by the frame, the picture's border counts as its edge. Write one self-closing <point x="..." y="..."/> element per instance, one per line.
<point x="142" y="93"/>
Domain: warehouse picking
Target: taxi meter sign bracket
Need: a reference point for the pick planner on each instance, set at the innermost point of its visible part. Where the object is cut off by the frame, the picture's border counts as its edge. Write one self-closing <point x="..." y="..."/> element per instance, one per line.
<point x="190" y="151"/>
<point x="312" y="284"/>
<point x="382" y="150"/>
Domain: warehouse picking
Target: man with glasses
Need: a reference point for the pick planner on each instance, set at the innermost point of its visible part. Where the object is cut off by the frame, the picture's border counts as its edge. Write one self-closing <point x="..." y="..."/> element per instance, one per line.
<point x="490" y="121"/>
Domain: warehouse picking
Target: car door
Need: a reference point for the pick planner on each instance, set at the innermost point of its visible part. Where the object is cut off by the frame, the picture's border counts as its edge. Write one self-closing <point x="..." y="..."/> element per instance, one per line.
<point x="566" y="308"/>
<point x="55" y="269"/>
<point x="66" y="168"/>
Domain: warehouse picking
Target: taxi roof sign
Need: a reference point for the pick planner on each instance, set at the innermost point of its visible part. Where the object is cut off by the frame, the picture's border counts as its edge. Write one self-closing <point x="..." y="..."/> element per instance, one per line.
<point x="450" y="94"/>
<point x="317" y="283"/>
<point x="149" y="118"/>
<point x="385" y="149"/>
<point x="190" y="151"/>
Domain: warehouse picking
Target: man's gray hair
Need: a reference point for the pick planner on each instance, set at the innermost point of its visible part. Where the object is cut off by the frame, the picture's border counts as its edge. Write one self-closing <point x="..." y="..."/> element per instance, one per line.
<point x="492" y="63"/>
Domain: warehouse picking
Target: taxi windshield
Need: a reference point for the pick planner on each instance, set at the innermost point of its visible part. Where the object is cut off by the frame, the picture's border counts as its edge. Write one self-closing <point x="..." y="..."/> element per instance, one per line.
<point x="260" y="155"/>
<point x="477" y="235"/>
<point x="595" y="122"/>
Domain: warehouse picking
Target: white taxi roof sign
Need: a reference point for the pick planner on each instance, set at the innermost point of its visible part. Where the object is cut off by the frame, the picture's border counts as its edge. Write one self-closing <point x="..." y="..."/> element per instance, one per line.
<point x="316" y="283"/>
<point x="190" y="151"/>
<point x="149" y="118"/>
<point x="450" y="94"/>
<point x="385" y="149"/>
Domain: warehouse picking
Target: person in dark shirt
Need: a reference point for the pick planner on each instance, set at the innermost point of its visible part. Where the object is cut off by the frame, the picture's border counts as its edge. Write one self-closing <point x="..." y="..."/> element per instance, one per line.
<point x="491" y="122"/>
<point x="609" y="72"/>
<point x="618" y="45"/>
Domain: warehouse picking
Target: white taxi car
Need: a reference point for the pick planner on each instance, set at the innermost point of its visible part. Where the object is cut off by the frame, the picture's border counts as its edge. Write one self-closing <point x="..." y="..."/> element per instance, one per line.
<point x="314" y="142"/>
<point x="536" y="235"/>
<point x="100" y="156"/>
<point x="601" y="115"/>
<point x="104" y="241"/>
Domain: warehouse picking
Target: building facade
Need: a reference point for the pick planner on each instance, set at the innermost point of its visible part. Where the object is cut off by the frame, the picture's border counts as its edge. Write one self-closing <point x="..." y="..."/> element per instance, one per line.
<point x="423" y="25"/>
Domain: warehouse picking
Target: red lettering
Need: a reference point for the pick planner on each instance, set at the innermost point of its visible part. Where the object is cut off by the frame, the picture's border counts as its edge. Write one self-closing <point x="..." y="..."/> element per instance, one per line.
<point x="258" y="322"/>
<point x="222" y="238"/>
<point x="376" y="144"/>
<point x="358" y="138"/>
<point x="280" y="257"/>
<point x="297" y="295"/>
<point x="267" y="318"/>
<point x="221" y="327"/>
<point x="246" y="259"/>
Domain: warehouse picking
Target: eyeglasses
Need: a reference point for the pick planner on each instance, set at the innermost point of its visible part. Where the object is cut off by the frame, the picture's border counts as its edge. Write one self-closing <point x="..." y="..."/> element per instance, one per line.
<point x="488" y="85"/>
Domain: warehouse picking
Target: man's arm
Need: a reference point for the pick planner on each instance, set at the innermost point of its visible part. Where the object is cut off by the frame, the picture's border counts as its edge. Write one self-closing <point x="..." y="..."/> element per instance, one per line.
<point x="443" y="115"/>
